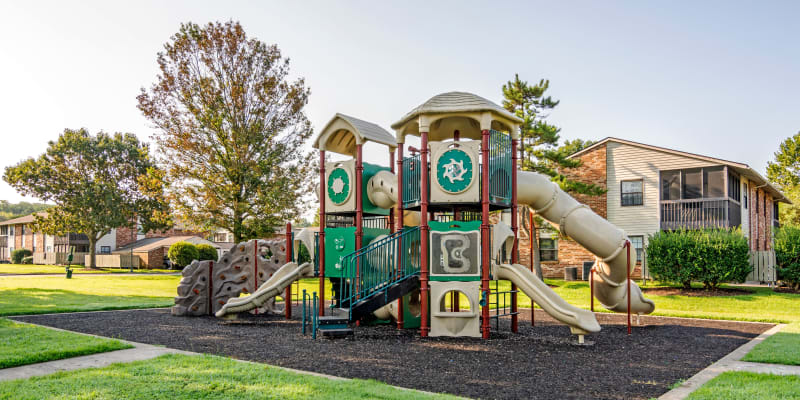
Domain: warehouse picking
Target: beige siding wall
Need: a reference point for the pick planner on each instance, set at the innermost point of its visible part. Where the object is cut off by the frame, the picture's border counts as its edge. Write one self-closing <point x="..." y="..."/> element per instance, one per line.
<point x="626" y="162"/>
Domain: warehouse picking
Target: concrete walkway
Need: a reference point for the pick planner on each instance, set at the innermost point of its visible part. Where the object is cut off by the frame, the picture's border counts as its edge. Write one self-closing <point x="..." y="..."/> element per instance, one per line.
<point x="732" y="362"/>
<point x="139" y="352"/>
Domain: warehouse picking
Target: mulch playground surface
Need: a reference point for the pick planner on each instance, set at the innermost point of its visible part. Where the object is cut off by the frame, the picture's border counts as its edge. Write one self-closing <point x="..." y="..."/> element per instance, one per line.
<point x="538" y="362"/>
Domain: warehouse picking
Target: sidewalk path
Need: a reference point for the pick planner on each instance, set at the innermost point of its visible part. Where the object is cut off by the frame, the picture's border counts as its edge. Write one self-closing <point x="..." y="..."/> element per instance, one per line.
<point x="732" y="362"/>
<point x="140" y="351"/>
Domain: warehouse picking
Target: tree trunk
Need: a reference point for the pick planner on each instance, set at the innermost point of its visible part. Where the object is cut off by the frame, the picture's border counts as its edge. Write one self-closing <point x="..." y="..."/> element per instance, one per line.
<point x="92" y="245"/>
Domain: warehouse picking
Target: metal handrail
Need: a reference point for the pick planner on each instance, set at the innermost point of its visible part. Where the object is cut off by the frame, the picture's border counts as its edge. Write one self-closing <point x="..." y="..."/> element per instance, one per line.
<point x="373" y="268"/>
<point x="412" y="176"/>
<point x="499" y="167"/>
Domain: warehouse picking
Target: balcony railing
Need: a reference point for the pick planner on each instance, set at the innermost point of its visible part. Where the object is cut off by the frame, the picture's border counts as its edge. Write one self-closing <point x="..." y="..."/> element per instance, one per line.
<point x="700" y="214"/>
<point x="72" y="238"/>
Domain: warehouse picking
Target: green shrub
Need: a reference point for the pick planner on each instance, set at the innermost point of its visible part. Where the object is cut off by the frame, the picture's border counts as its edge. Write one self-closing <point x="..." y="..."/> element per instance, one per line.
<point x="27" y="260"/>
<point x="709" y="256"/>
<point x="182" y="253"/>
<point x="19" y="254"/>
<point x="206" y="252"/>
<point x="787" y="255"/>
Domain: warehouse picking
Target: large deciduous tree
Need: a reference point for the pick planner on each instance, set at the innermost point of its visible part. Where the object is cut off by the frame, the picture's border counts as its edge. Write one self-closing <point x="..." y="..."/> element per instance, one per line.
<point x="785" y="172"/>
<point x="539" y="144"/>
<point x="231" y="130"/>
<point x="97" y="183"/>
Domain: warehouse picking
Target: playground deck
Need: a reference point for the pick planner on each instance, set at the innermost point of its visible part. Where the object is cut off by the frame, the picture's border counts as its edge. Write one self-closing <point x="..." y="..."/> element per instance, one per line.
<point x="540" y="362"/>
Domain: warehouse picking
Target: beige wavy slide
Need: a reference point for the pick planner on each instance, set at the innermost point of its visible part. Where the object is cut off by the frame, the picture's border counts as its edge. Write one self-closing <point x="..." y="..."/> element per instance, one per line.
<point x="274" y="286"/>
<point x="591" y="231"/>
<point x="580" y="321"/>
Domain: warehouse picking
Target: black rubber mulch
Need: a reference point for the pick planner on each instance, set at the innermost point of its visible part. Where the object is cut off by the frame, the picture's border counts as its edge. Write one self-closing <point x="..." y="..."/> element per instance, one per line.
<point x="539" y="362"/>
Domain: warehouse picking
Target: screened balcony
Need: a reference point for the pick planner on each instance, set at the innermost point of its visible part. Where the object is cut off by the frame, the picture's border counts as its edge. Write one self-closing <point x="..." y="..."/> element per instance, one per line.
<point x="700" y="198"/>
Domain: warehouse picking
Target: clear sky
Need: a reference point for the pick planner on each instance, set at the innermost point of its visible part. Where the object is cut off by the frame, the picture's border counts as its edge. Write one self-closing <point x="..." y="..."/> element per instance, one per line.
<point x="719" y="78"/>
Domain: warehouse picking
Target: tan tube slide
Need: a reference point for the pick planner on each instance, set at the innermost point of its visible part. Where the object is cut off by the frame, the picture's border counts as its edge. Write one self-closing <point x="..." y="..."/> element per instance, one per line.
<point x="274" y="286"/>
<point x="591" y="231"/>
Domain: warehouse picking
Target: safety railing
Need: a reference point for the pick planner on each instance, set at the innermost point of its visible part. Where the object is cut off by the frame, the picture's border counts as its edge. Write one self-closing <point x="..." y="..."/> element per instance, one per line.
<point x="374" y="268"/>
<point x="501" y="303"/>
<point x="499" y="168"/>
<point x="310" y="313"/>
<point x="412" y="176"/>
<point x="464" y="216"/>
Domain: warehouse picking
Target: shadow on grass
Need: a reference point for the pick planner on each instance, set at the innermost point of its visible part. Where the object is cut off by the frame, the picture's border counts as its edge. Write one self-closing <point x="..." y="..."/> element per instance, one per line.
<point x="42" y="301"/>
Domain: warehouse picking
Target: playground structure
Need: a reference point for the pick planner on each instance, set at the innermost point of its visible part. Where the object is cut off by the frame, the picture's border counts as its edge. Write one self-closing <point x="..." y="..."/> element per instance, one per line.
<point x="206" y="286"/>
<point x="420" y="248"/>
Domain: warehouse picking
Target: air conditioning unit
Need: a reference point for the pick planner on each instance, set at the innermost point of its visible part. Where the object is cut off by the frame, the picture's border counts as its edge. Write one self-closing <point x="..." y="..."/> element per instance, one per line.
<point x="455" y="172"/>
<point x="340" y="181"/>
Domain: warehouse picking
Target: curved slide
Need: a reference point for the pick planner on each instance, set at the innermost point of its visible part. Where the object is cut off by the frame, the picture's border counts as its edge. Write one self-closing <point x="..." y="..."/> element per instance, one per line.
<point x="580" y="321"/>
<point x="282" y="278"/>
<point x="591" y="231"/>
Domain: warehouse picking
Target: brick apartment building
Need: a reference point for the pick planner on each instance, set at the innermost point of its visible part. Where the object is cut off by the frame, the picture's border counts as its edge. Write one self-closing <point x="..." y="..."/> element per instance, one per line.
<point x="49" y="249"/>
<point x="652" y="188"/>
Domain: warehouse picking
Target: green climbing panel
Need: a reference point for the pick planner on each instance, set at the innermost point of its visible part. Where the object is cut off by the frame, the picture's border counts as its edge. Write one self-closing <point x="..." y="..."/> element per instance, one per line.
<point x="340" y="242"/>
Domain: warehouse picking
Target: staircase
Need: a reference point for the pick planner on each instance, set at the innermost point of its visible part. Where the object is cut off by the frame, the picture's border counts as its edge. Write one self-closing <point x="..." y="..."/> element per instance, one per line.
<point x="382" y="272"/>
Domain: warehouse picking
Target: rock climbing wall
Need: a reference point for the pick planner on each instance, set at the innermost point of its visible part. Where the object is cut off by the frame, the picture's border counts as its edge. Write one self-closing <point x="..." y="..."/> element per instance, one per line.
<point x="193" y="290"/>
<point x="233" y="275"/>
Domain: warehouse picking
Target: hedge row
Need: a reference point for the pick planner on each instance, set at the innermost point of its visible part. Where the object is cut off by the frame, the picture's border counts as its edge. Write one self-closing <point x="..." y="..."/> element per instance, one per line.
<point x="787" y="255"/>
<point x="18" y="255"/>
<point x="183" y="253"/>
<point x="708" y="256"/>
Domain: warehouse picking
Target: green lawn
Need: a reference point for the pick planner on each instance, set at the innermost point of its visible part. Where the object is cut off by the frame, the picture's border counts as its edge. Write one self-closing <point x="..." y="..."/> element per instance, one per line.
<point x="76" y="269"/>
<point x="176" y="377"/>
<point x="762" y="305"/>
<point x="749" y="386"/>
<point x="49" y="294"/>
<point x="780" y="348"/>
<point x="22" y="344"/>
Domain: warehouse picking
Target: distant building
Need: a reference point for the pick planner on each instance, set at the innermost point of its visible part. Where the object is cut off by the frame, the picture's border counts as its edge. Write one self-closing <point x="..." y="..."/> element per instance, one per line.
<point x="153" y="251"/>
<point x="50" y="249"/>
<point x="652" y="188"/>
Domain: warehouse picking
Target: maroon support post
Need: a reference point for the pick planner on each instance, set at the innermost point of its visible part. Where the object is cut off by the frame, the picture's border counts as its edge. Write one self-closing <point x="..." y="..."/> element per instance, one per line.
<point x="359" y="211"/>
<point x="514" y="228"/>
<point x="423" y="235"/>
<point x="530" y="244"/>
<point x="288" y="295"/>
<point x="210" y="287"/>
<point x="391" y="210"/>
<point x="255" y="269"/>
<point x="628" y="282"/>
<point x="321" y="250"/>
<point x="485" y="233"/>
<point x="400" y="254"/>
<point x="591" y="288"/>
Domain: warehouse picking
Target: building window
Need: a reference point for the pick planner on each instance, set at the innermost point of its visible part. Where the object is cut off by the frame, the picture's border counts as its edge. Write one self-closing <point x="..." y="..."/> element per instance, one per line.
<point x="105" y="249"/>
<point x="713" y="182"/>
<point x="745" y="192"/>
<point x="671" y="185"/>
<point x="692" y="183"/>
<point x="632" y="193"/>
<point x="4" y="230"/>
<point x="637" y="244"/>
<point x="548" y="249"/>
<point x="775" y="216"/>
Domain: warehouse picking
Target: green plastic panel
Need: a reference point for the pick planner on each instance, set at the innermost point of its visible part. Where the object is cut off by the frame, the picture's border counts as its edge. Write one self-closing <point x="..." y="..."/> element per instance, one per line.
<point x="369" y="171"/>
<point x="455" y="251"/>
<point x="340" y="242"/>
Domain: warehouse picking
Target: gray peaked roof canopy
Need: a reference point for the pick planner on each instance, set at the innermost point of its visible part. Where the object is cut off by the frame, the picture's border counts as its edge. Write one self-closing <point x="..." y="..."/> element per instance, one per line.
<point x="343" y="132"/>
<point x="466" y="112"/>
